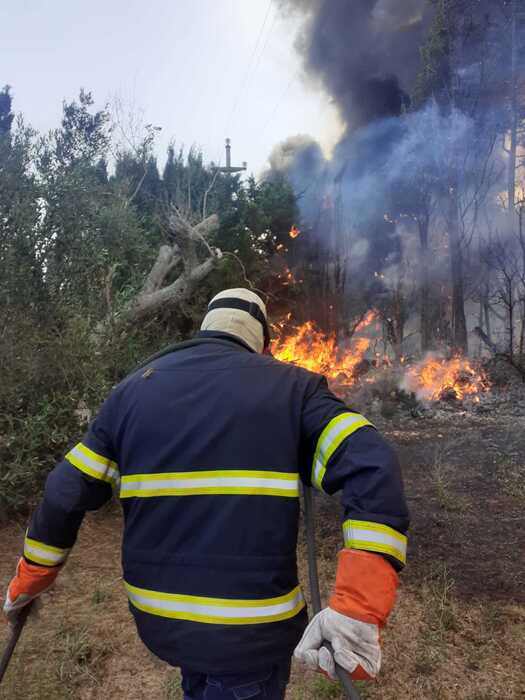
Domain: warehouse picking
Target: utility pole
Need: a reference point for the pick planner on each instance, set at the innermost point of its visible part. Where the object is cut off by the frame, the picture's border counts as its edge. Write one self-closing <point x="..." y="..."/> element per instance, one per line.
<point x="228" y="168"/>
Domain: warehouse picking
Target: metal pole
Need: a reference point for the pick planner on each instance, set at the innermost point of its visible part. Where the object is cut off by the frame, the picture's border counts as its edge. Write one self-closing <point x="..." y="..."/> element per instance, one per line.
<point x="315" y="593"/>
<point x="16" y="631"/>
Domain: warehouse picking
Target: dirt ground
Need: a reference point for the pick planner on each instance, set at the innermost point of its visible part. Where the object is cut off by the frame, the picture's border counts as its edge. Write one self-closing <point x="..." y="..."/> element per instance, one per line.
<point x="458" y="631"/>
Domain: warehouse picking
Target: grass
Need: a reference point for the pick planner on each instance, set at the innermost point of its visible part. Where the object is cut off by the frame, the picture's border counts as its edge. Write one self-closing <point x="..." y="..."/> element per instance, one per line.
<point x="443" y="641"/>
<point x="173" y="689"/>
<point x="511" y="475"/>
<point x="77" y="657"/>
<point x="443" y="477"/>
<point x="436" y="646"/>
<point x="100" y="596"/>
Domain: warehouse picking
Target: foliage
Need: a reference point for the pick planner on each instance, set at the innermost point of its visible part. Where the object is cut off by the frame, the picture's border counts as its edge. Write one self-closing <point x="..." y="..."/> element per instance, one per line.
<point x="81" y="223"/>
<point x="435" y="73"/>
<point x="6" y="115"/>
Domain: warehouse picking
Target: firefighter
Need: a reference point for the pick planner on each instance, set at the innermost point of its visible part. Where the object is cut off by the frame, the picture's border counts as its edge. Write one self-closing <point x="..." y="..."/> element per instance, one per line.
<point x="206" y="448"/>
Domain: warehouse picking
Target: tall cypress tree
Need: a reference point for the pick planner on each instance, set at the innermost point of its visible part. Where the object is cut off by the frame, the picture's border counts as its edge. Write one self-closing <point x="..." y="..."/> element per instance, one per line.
<point x="6" y="116"/>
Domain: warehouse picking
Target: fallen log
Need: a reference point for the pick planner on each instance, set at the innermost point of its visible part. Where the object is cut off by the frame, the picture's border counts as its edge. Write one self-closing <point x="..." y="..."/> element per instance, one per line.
<point x="486" y="340"/>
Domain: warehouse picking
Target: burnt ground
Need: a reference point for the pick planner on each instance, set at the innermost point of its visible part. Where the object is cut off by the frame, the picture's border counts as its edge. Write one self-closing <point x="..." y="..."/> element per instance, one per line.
<point x="458" y="631"/>
<point x="466" y="490"/>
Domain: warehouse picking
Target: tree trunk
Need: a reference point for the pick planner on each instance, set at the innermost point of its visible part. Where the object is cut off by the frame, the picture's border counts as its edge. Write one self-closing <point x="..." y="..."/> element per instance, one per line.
<point x="424" y="283"/>
<point x="511" y="173"/>
<point x="522" y="332"/>
<point x="510" y="304"/>
<point x="486" y="308"/>
<point x="521" y="238"/>
<point x="459" y="323"/>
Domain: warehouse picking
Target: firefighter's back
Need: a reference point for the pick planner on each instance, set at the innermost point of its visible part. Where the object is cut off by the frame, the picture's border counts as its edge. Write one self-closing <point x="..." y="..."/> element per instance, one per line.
<point x="208" y="444"/>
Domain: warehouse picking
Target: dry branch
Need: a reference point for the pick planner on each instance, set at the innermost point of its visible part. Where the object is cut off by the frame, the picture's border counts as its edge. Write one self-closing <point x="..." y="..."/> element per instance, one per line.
<point x="188" y="249"/>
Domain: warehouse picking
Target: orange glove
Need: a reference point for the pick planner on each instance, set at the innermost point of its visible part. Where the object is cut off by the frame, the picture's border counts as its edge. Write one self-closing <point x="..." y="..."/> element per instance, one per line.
<point x="365" y="589"/>
<point x="365" y="592"/>
<point x="28" y="583"/>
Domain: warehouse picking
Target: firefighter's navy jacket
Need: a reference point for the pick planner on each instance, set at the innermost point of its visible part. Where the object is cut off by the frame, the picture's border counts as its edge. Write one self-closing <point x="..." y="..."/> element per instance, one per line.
<point x="206" y="448"/>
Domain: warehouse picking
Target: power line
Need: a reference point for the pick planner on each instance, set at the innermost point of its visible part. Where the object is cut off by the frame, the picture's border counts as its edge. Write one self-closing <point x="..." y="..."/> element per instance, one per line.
<point x="263" y="51"/>
<point x="277" y="105"/>
<point x="247" y="73"/>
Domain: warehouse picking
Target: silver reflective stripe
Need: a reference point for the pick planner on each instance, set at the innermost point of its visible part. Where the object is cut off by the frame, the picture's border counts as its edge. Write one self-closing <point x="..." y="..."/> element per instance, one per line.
<point x="216" y="610"/>
<point x="211" y="482"/>
<point x="337" y="430"/>
<point x="44" y="554"/>
<point x="375" y="537"/>
<point x="93" y="464"/>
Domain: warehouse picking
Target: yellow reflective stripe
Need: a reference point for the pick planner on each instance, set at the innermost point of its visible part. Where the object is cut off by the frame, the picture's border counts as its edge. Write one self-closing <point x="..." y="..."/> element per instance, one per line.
<point x="217" y="602"/>
<point x="211" y="482"/>
<point x="336" y="431"/>
<point x="216" y="610"/>
<point x="104" y="461"/>
<point x="216" y="620"/>
<point x="375" y="537"/>
<point x="93" y="464"/>
<point x="44" y="554"/>
<point x="210" y="491"/>
<point x="210" y="474"/>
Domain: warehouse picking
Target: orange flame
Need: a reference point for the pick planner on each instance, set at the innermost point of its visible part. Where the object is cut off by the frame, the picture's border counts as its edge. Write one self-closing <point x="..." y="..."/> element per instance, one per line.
<point x="294" y="231"/>
<point x="368" y="319"/>
<point x="312" y="349"/>
<point x="436" y="378"/>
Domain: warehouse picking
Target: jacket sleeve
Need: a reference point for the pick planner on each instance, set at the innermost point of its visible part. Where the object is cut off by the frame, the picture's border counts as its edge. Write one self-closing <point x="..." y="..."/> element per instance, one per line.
<point x="345" y="452"/>
<point x="82" y="481"/>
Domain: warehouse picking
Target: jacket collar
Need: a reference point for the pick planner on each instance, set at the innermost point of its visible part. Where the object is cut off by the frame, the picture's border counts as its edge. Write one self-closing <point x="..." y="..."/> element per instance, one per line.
<point x="219" y="335"/>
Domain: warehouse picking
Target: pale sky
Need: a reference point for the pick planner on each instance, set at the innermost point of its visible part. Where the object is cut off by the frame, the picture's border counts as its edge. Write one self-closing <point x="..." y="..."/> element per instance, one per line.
<point x="200" y="69"/>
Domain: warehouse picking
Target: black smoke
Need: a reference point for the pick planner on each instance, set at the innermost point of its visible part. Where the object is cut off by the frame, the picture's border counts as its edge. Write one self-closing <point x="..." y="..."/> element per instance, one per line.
<point x="365" y="53"/>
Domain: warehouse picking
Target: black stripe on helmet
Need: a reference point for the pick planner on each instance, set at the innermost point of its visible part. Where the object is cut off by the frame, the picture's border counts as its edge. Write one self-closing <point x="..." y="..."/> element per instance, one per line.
<point x="242" y="305"/>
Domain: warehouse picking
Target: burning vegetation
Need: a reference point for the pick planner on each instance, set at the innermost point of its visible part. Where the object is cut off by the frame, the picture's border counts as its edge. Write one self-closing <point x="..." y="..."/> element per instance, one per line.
<point x="436" y="378"/>
<point x="345" y="363"/>
<point x="316" y="351"/>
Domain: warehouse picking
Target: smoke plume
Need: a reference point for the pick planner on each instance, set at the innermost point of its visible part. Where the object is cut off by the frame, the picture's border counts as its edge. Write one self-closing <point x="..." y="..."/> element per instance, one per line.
<point x="386" y="191"/>
<point x="365" y="53"/>
<point x="366" y="56"/>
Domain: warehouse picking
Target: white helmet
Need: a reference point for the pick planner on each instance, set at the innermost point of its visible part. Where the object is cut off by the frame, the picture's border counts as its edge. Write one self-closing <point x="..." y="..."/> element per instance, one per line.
<point x="239" y="312"/>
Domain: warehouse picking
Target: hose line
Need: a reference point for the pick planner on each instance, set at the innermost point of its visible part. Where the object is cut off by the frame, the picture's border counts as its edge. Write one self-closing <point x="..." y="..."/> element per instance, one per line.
<point x="315" y="593"/>
<point x="16" y="631"/>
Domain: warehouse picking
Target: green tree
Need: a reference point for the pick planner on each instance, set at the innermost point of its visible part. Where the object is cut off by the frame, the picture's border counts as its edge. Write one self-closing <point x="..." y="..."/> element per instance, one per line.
<point x="99" y="269"/>
<point x="6" y="115"/>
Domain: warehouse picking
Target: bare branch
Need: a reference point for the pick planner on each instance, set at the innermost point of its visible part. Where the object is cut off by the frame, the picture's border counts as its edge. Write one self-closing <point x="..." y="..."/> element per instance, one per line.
<point x="167" y="259"/>
<point x="187" y="247"/>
